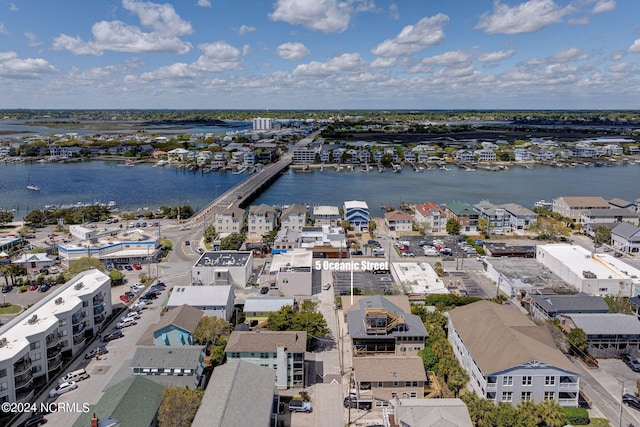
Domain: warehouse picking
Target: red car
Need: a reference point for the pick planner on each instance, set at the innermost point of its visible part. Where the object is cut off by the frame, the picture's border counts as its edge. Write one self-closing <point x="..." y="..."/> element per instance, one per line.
<point x="124" y="298"/>
<point x="137" y="266"/>
<point x="33" y="287"/>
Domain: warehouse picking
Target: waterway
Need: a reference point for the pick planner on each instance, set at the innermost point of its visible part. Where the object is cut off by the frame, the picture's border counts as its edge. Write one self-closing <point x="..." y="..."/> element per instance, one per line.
<point x="145" y="186"/>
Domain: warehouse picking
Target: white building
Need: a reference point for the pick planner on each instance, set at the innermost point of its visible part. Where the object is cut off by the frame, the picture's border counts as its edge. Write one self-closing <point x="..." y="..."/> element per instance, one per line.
<point x="419" y="277"/>
<point x="261" y="219"/>
<point x="262" y="123"/>
<point x="294" y="217"/>
<point x="431" y="217"/>
<point x="33" y="344"/>
<point x="228" y="220"/>
<point x="327" y="215"/>
<point x="290" y="273"/>
<point x="574" y="206"/>
<point x="223" y="268"/>
<point x="593" y="274"/>
<point x="212" y="300"/>
<point x="357" y="213"/>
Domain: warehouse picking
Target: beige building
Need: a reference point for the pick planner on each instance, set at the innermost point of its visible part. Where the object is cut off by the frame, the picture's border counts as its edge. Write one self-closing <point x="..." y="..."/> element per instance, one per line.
<point x="574" y="207"/>
<point x="261" y="219"/>
<point x="228" y="220"/>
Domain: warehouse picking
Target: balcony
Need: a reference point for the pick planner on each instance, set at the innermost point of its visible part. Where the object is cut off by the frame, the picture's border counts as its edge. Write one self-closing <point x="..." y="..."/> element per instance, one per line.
<point x="23" y="380"/>
<point x="79" y="339"/>
<point x="77" y="329"/>
<point x="25" y="395"/>
<point x="568" y="387"/>
<point x="53" y="341"/>
<point x="98" y="309"/>
<point x="491" y="387"/>
<point x="54" y="363"/>
<point x="20" y="367"/>
<point x="98" y="299"/>
<point x="53" y="352"/>
<point x="99" y="319"/>
<point x="77" y="318"/>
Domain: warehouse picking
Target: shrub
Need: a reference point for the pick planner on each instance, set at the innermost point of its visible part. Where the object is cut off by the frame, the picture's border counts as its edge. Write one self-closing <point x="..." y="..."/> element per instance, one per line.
<point x="576" y="416"/>
<point x="22" y="289"/>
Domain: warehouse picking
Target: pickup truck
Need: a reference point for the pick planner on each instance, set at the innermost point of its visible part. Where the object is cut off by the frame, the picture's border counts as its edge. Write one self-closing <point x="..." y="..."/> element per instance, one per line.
<point x="299" y="406"/>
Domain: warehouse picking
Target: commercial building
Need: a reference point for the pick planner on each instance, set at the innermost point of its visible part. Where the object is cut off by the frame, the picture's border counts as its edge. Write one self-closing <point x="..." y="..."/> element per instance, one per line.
<point x="509" y="358"/>
<point x="223" y="268"/>
<point x="262" y="123"/>
<point x="291" y="273"/>
<point x="283" y="351"/>
<point x="420" y="277"/>
<point x="34" y="343"/>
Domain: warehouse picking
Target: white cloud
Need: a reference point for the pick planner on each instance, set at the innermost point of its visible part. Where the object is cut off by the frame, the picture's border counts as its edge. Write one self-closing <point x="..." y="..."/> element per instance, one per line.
<point x="292" y="51"/>
<point x="495" y="56"/>
<point x="621" y="67"/>
<point x="33" y="39"/>
<point x="571" y="54"/>
<point x="217" y="57"/>
<point x="617" y="55"/>
<point x="120" y="37"/>
<point x="635" y="47"/>
<point x="393" y="11"/>
<point x="7" y="55"/>
<point x="456" y="58"/>
<point x="245" y="50"/>
<point x="584" y="20"/>
<point x="3" y="29"/>
<point x="346" y="63"/>
<point x="603" y="6"/>
<point x="414" y="38"/>
<point x="328" y="16"/>
<point x="170" y="72"/>
<point x="28" y="68"/>
<point x="13" y="7"/>
<point x="204" y="3"/>
<point x="245" y="29"/>
<point x="384" y="62"/>
<point x="527" y="17"/>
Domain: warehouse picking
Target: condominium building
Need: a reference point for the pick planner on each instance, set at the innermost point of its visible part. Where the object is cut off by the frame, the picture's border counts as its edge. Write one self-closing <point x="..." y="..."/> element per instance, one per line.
<point x="34" y="344"/>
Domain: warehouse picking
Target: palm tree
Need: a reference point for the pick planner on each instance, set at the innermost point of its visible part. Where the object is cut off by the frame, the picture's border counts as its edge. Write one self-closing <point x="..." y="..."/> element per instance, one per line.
<point x="550" y="413"/>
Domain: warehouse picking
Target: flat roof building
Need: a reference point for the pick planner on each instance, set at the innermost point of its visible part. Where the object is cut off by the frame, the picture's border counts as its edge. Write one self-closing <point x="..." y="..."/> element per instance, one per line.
<point x="223" y="268"/>
<point x="212" y="300"/>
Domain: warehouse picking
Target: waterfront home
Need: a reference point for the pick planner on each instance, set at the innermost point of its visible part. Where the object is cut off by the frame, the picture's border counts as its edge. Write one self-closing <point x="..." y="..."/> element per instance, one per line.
<point x="286" y="240"/>
<point x="356" y="212"/>
<point x="485" y="155"/>
<point x="327" y="215"/>
<point x="398" y="221"/>
<point x="542" y="154"/>
<point x="585" y="151"/>
<point x="239" y="393"/>
<point x="464" y="156"/>
<point x="325" y="155"/>
<point x="228" y="220"/>
<point x="522" y="155"/>
<point x="364" y="155"/>
<point x="520" y="218"/>
<point x="608" y="215"/>
<point x="430" y="217"/>
<point x="324" y="241"/>
<point x="608" y="335"/>
<point x="574" y="206"/>
<point x="177" y="154"/>
<point x="337" y="154"/>
<point x="383" y="379"/>
<point x="622" y="204"/>
<point x="509" y="358"/>
<point x="204" y="156"/>
<point x="465" y="215"/>
<point x="283" y="351"/>
<point x="377" y="155"/>
<point x="294" y="217"/>
<point x="393" y="152"/>
<point x="495" y="215"/>
<point x="304" y="156"/>
<point x="261" y="219"/>
<point x="550" y="307"/>
<point x="409" y="156"/>
<point x="626" y="237"/>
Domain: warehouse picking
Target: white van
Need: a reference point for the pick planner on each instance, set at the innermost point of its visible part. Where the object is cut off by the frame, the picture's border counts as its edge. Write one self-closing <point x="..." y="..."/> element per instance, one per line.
<point x="378" y="252"/>
<point x="75" y="376"/>
<point x="430" y="252"/>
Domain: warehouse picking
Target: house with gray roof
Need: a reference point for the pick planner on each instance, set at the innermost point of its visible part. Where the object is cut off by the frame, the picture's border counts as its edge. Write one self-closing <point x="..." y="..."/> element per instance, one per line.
<point x="211" y="300"/>
<point x="379" y="327"/>
<point x="608" y="335"/>
<point x="283" y="351"/>
<point x="626" y="237"/>
<point x="165" y="361"/>
<point x="294" y="217"/>
<point x="429" y="413"/>
<point x="257" y="309"/>
<point x="239" y="394"/>
<point x="549" y="307"/>
<point x="175" y="328"/>
<point x="520" y="218"/>
<point x="509" y="358"/>
<point x="133" y="402"/>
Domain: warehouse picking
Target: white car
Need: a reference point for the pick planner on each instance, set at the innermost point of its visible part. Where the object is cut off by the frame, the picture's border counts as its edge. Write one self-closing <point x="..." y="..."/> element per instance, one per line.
<point x="63" y="388"/>
<point x="130" y="315"/>
<point x="140" y="305"/>
<point x="126" y="323"/>
<point x="326" y="286"/>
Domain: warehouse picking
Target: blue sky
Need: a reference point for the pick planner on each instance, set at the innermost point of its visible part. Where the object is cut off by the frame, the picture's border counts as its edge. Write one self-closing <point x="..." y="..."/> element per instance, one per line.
<point x="320" y="54"/>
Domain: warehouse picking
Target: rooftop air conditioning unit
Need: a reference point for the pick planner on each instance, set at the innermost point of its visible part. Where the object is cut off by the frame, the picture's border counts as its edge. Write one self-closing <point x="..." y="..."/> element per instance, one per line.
<point x="33" y="319"/>
<point x="59" y="301"/>
<point x="78" y="285"/>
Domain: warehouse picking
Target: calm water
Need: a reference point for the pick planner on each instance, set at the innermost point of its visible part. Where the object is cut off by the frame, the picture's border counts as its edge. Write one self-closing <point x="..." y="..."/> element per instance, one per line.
<point x="144" y="185"/>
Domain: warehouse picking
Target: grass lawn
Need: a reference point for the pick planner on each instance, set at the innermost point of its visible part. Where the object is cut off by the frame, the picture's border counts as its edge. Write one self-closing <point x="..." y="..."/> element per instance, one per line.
<point x="12" y="309"/>
<point x="599" y="422"/>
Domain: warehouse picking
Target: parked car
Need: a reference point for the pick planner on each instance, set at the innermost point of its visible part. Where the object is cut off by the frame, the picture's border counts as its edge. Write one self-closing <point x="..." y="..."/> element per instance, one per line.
<point x="77" y="375"/>
<point x="133" y="314"/>
<point x="6" y="288"/>
<point x="130" y="294"/>
<point x="407" y="254"/>
<point x="63" y="388"/>
<point x="35" y="420"/>
<point x="149" y="295"/>
<point x="631" y="362"/>
<point x="126" y="323"/>
<point x="128" y="267"/>
<point x="44" y="287"/>
<point x="137" y="266"/>
<point x="98" y="351"/>
<point x="33" y="287"/>
<point x="632" y="401"/>
<point x="299" y="406"/>
<point x="618" y="254"/>
<point x="356" y="252"/>
<point x="140" y="305"/>
<point x="354" y="403"/>
<point x="124" y="298"/>
<point x="326" y="286"/>
<point x="187" y="243"/>
<point x="112" y="336"/>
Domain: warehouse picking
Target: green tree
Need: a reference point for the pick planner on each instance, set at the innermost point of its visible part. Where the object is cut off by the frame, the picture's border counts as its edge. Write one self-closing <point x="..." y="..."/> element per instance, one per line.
<point x="453" y="226"/>
<point x="550" y="413"/>
<point x="5" y="217"/>
<point x="116" y="277"/>
<point x="602" y="235"/>
<point x="506" y="415"/>
<point x="458" y="378"/>
<point x="35" y="218"/>
<point x="232" y="242"/>
<point x="83" y="264"/>
<point x="307" y="319"/>
<point x="578" y="338"/>
<point x="526" y="415"/>
<point x="179" y="406"/>
<point x="429" y="359"/>
<point x="549" y="228"/>
<point x="210" y="329"/>
<point x="210" y="234"/>
<point x="619" y="304"/>
<point x="484" y="226"/>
